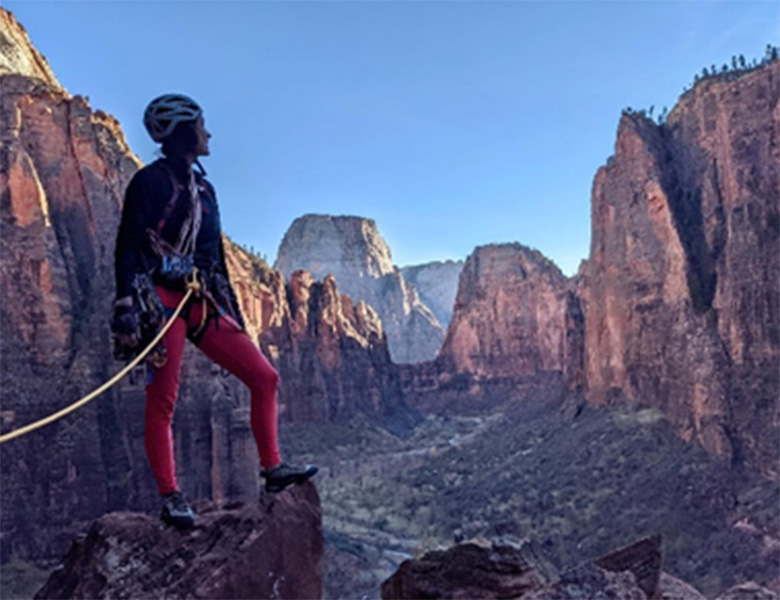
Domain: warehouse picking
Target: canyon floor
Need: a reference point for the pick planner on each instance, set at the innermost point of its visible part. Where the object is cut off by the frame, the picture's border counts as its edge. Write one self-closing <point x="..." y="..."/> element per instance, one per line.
<point x="581" y="482"/>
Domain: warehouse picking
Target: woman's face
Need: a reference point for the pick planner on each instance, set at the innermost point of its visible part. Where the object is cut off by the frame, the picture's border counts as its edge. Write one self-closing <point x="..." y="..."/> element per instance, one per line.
<point x="202" y="134"/>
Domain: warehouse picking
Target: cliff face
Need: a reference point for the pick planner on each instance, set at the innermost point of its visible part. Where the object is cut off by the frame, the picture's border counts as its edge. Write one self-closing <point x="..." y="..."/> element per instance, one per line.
<point x="63" y="173"/>
<point x="351" y="249"/>
<point x="333" y="359"/>
<point x="510" y="315"/>
<point x="683" y="286"/>
<point x="18" y="56"/>
<point x="437" y="284"/>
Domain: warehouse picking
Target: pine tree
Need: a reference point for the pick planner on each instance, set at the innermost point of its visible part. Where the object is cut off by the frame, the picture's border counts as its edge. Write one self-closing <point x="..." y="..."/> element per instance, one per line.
<point x="742" y="64"/>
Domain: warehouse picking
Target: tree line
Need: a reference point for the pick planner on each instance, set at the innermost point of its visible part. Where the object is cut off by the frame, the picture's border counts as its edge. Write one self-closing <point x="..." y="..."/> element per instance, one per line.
<point x="739" y="66"/>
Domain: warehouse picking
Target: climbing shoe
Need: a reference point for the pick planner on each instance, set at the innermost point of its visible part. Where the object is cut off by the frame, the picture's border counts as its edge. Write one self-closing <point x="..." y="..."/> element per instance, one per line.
<point x="285" y="475"/>
<point x="176" y="512"/>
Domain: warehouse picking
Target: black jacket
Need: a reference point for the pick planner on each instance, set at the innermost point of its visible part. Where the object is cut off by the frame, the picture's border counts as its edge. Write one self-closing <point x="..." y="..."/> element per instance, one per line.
<point x="146" y="199"/>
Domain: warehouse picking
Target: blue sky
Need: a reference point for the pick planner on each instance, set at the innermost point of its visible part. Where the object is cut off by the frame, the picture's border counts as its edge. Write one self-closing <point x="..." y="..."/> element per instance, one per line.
<point x="451" y="123"/>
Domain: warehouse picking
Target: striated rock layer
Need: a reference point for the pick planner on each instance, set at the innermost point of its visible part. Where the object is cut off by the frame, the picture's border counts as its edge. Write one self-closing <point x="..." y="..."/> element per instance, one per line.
<point x="352" y="250"/>
<point x="267" y="550"/>
<point x="683" y="281"/>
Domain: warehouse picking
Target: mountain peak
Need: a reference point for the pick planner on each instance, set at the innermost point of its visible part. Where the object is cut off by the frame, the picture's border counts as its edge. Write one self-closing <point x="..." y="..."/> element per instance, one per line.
<point x="17" y="54"/>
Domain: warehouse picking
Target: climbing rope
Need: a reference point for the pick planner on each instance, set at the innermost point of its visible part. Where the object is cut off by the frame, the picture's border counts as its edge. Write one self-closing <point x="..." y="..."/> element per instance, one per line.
<point x="193" y="287"/>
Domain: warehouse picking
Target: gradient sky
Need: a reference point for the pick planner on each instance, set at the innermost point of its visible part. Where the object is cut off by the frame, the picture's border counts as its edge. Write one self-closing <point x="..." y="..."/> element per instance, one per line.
<point x="452" y="124"/>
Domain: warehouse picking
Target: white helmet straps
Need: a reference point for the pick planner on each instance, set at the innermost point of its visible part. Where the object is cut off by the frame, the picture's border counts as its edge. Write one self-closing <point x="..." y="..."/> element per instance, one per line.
<point x="164" y="113"/>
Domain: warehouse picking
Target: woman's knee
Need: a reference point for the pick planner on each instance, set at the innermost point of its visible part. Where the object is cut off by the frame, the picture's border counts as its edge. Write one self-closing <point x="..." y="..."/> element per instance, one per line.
<point x="265" y="380"/>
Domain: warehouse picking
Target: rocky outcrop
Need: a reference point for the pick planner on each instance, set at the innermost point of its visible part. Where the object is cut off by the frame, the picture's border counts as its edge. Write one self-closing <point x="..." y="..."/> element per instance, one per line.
<point x="683" y="290"/>
<point x="475" y="569"/>
<point x="333" y="360"/>
<point x="514" y="569"/>
<point x="511" y="315"/>
<point x="19" y="57"/>
<point x="351" y="249"/>
<point x="267" y="550"/>
<point x="437" y="284"/>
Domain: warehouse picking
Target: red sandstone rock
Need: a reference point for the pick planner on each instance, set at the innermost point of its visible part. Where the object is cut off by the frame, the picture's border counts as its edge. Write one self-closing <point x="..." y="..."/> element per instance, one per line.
<point x="475" y="569"/>
<point x="510" y="315"/>
<point x="683" y="281"/>
<point x="506" y="569"/>
<point x="333" y="359"/>
<point x="267" y="550"/>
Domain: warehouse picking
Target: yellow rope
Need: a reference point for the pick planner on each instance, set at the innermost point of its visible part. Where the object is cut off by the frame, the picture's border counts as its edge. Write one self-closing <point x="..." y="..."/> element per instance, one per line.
<point x="193" y="286"/>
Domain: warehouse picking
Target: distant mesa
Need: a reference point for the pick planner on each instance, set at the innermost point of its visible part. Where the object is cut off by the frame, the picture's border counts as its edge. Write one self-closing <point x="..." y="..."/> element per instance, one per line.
<point x="352" y="250"/>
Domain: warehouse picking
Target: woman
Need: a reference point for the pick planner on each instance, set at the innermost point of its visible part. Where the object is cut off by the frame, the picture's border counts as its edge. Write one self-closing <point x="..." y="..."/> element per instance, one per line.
<point x="170" y="224"/>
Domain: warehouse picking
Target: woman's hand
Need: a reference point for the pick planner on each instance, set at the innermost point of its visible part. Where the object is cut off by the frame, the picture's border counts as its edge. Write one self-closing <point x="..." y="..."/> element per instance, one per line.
<point x="125" y="324"/>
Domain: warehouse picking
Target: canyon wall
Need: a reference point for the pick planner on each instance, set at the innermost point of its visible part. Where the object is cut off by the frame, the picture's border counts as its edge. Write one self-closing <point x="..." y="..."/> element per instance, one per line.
<point x="683" y="289"/>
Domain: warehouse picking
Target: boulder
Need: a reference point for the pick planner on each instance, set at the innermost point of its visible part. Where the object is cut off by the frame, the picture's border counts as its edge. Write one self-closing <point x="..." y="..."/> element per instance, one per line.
<point x="266" y="550"/>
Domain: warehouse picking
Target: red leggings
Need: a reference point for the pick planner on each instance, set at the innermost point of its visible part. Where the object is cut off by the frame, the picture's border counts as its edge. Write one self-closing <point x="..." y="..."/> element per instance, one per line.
<point x="229" y="347"/>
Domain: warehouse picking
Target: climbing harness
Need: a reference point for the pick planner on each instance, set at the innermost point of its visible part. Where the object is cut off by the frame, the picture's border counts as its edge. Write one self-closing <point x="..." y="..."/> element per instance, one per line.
<point x="193" y="287"/>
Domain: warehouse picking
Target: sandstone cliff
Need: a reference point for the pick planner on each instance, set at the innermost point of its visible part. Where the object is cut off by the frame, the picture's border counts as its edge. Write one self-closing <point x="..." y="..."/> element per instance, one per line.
<point x="333" y="359"/>
<point x="437" y="284"/>
<point x="516" y="334"/>
<point x="351" y="249"/>
<point x="683" y="289"/>
<point x="510" y="315"/>
<point x="18" y="56"/>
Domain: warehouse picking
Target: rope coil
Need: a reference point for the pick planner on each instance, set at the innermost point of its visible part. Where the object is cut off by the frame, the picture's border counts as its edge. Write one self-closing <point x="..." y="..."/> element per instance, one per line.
<point x="193" y="287"/>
